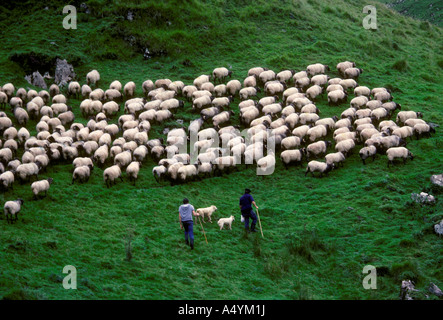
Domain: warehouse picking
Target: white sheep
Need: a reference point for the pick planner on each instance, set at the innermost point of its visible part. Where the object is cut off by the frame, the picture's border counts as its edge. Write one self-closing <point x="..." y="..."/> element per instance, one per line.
<point x="93" y="77"/>
<point x="317" y="148"/>
<point x="226" y="222"/>
<point x="316" y="68"/>
<point x="111" y="174"/>
<point x="292" y="157"/>
<point x="11" y="210"/>
<point x="26" y="170"/>
<point x="367" y="152"/>
<point x="38" y="187"/>
<point x="336" y="159"/>
<point x="221" y="74"/>
<point x="7" y="179"/>
<point x="233" y="87"/>
<point x="317" y="166"/>
<point x="132" y="171"/>
<point x="345" y="146"/>
<point x="398" y="152"/>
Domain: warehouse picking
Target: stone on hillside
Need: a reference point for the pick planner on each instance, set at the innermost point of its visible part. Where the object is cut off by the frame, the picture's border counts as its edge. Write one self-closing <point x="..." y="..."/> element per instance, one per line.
<point x="438" y="228"/>
<point x="423" y="197"/>
<point x="435" y="290"/>
<point x="437" y="179"/>
<point x="64" y="73"/>
<point x="36" y="79"/>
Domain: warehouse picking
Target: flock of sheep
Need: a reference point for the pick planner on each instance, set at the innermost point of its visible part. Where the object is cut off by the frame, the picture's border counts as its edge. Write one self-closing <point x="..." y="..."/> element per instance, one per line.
<point x="286" y="118"/>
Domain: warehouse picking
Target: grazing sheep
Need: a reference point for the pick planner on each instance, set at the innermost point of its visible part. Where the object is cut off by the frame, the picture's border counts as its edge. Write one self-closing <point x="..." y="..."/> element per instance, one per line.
<point x="333" y="87"/>
<point x="112" y="95"/>
<point x="309" y="108"/>
<point x="342" y="66"/>
<point x="93" y="77"/>
<point x="132" y="171"/>
<point x="159" y="172"/>
<point x="383" y="96"/>
<point x="348" y="83"/>
<point x="221" y="74"/>
<point x="337" y="97"/>
<point x="317" y="148"/>
<point x="220" y="90"/>
<point x="11" y="209"/>
<point x="353" y="73"/>
<point x="292" y="120"/>
<point x="367" y="152"/>
<point x="74" y="89"/>
<point x="379" y="114"/>
<point x="116" y="85"/>
<point x="101" y="154"/>
<point x="86" y="91"/>
<point x="335" y="158"/>
<point x="222" y="102"/>
<point x="423" y="129"/>
<point x="320" y="80"/>
<point x="402" y="116"/>
<point x="38" y="187"/>
<point x="123" y="159"/>
<point x="317" y="132"/>
<point x="267" y="75"/>
<point x="346" y="135"/>
<point x="26" y="170"/>
<point x="398" y="152"/>
<point x="404" y="132"/>
<point x="317" y="166"/>
<point x="317" y="68"/>
<point x="313" y="92"/>
<point x="3" y="99"/>
<point x="233" y="87"/>
<point x="21" y="116"/>
<point x="308" y="118"/>
<point x="129" y="89"/>
<point x="200" y="80"/>
<point x="285" y="75"/>
<point x="359" y="102"/>
<point x="226" y="222"/>
<point x="292" y="157"/>
<point x="345" y="146"/>
<point x="362" y="91"/>
<point x="274" y="88"/>
<point x="247" y="93"/>
<point x="111" y="174"/>
<point x="7" y="179"/>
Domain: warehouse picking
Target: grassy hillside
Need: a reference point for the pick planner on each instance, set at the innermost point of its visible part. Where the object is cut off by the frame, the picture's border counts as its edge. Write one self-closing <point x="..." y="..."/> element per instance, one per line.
<point x="319" y="233"/>
<point x="428" y="10"/>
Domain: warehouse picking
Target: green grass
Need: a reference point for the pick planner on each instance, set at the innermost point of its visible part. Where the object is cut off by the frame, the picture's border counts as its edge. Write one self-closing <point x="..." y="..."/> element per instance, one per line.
<point x="427" y="10"/>
<point x="318" y="233"/>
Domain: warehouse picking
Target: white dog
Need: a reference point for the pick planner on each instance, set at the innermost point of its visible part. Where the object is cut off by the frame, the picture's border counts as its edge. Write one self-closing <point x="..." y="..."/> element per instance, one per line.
<point x="225" y="221"/>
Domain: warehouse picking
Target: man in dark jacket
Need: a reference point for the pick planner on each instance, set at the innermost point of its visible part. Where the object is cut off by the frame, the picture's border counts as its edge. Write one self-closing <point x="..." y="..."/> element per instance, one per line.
<point x="246" y="210"/>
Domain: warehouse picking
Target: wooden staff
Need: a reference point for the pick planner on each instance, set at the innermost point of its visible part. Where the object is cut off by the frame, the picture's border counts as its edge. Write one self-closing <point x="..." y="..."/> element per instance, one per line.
<point x="204" y="233"/>
<point x="258" y="215"/>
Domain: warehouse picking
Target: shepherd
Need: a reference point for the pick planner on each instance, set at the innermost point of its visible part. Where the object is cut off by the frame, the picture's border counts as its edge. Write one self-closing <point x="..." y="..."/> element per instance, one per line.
<point x="185" y="212"/>
<point x="246" y="210"/>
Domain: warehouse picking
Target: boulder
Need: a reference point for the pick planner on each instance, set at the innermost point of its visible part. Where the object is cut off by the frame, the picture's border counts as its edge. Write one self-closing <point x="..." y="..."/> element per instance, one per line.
<point x="438" y="228"/>
<point x="64" y="73"/>
<point x="423" y="197"/>
<point x="437" y="179"/>
<point x="36" y="79"/>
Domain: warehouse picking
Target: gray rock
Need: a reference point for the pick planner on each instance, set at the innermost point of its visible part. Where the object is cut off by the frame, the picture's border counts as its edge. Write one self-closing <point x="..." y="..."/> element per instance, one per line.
<point x="435" y="290"/>
<point x="64" y="73"/>
<point x="438" y="228"/>
<point x="36" y="79"/>
<point x="423" y="197"/>
<point x="437" y="179"/>
<point x="130" y="16"/>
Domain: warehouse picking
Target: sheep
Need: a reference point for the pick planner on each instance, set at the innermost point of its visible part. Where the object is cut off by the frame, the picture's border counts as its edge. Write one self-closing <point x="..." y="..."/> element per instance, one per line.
<point x="66" y="118"/>
<point x="112" y="95"/>
<point x="337" y="97"/>
<point x="317" y="132"/>
<point x="383" y="96"/>
<point x="233" y="87"/>
<point x="367" y="113"/>
<point x="345" y="122"/>
<point x="208" y="113"/>
<point x="220" y="90"/>
<point x="38" y="187"/>
<point x="348" y="113"/>
<point x="188" y="91"/>
<point x="292" y="120"/>
<point x="367" y="133"/>
<point x="353" y="73"/>
<point x="200" y="80"/>
<point x="157" y="152"/>
<point x="308" y="118"/>
<point x="85" y="161"/>
<point x="248" y="92"/>
<point x="363" y="126"/>
<point x="162" y="83"/>
<point x="301" y="131"/>
<point x="86" y="91"/>
<point x="159" y="172"/>
<point x="313" y="92"/>
<point x="187" y="172"/>
<point x="298" y="103"/>
<point x="267" y="75"/>
<point x="390" y="142"/>
<point x="288" y="110"/>
<point x="362" y="91"/>
<point x="266" y="165"/>
<point x="342" y="66"/>
<point x="116" y="85"/>
<point x="7" y="180"/>
<point x="9" y="89"/>
<point x="340" y="130"/>
<point x="10" y="133"/>
<point x="317" y="68"/>
<point x="348" y="83"/>
<point x="101" y="154"/>
<point x="300" y="75"/>
<point x="15" y="102"/>
<point x="42" y="161"/>
<point x="333" y="87"/>
<point x="12" y="209"/>
<point x="285" y="75"/>
<point x="222" y="163"/>
<point x="176" y="86"/>
<point x="222" y="102"/>
<point x="422" y="129"/>
<point x="208" y="86"/>
<point x="162" y="115"/>
<point x="172" y="172"/>
<point x="12" y="165"/>
<point x="111" y="174"/>
<point x="317" y="166"/>
<point x="380" y="114"/>
<point x="328" y="122"/>
<point x="123" y="159"/>
<point x="3" y="99"/>
<point x="317" y="148"/>
<point x="129" y="89"/>
<point x="336" y="159"/>
<point x="97" y="94"/>
<point x="320" y="80"/>
<point x="346" y="135"/>
<point x="21" y="116"/>
<point x="345" y="146"/>
<point x="221" y="74"/>
<point x="226" y="222"/>
<point x="288" y="92"/>
<point x="202" y="102"/>
<point x="309" y="108"/>
<point x="402" y="116"/>
<point x="26" y="170"/>
<point x="359" y="102"/>
<point x="93" y="77"/>
<point x="74" y="89"/>
<point x="404" y="132"/>
<point x="367" y="152"/>
<point x="386" y="124"/>
<point x="132" y="171"/>
<point x="274" y="88"/>
<point x="292" y="157"/>
<point x="209" y="133"/>
<point x="398" y="152"/>
<point x="256" y="71"/>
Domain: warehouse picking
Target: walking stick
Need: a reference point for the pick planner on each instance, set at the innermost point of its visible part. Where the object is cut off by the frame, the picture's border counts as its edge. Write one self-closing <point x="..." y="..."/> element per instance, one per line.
<point x="259" y="222"/>
<point x="204" y="233"/>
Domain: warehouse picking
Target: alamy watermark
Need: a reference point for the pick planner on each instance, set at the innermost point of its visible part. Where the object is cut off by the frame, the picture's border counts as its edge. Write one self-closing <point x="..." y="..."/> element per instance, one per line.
<point x="70" y="281"/>
<point x="370" y="281"/>
<point x="370" y="21"/>
<point x="70" y="21"/>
